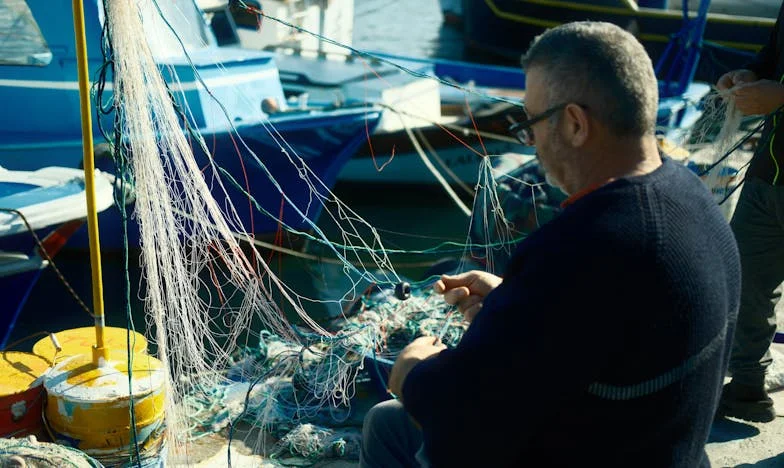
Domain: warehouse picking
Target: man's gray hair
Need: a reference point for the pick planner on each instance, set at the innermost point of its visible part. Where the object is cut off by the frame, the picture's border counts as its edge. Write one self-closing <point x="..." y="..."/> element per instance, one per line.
<point x="602" y="67"/>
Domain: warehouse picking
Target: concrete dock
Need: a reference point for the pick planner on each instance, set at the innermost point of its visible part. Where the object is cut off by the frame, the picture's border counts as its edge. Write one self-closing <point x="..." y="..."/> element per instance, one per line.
<point x="733" y="443"/>
<point x="736" y="443"/>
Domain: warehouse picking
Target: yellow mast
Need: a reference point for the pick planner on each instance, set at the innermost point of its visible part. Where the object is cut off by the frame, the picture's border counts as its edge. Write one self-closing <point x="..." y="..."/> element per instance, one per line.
<point x="120" y="397"/>
<point x="100" y="352"/>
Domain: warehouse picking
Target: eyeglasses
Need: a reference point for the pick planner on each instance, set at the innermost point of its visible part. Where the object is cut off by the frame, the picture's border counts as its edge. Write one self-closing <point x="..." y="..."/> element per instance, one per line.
<point x="522" y="130"/>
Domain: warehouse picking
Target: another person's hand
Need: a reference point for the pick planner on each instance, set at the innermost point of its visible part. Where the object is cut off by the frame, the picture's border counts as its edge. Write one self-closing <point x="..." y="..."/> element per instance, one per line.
<point x="759" y="97"/>
<point x="734" y="78"/>
<point x="417" y="351"/>
<point x="467" y="290"/>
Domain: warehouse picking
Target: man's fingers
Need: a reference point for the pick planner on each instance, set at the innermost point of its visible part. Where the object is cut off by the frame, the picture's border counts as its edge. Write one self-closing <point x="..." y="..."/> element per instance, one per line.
<point x="439" y="287"/>
<point x="427" y="342"/>
<point x="454" y="281"/>
<point x="750" y="88"/>
<point x="735" y="78"/>
<point x="469" y="302"/>
<point x="725" y="82"/>
<point x="470" y="306"/>
<point x="741" y="88"/>
<point x="471" y="312"/>
<point x="455" y="295"/>
<point x="474" y="282"/>
<point x="745" y="109"/>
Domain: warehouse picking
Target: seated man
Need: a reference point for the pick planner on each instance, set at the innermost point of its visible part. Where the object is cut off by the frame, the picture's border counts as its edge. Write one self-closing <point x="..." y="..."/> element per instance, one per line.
<point x="606" y="342"/>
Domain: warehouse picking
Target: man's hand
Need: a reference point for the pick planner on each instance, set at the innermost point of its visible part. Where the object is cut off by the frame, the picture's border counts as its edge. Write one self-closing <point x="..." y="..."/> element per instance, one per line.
<point x="467" y="290"/>
<point x="759" y="97"/>
<point x="735" y="78"/>
<point x="416" y="352"/>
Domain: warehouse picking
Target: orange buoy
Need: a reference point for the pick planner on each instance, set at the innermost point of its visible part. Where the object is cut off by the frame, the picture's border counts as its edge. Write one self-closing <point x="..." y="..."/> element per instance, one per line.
<point x="21" y="394"/>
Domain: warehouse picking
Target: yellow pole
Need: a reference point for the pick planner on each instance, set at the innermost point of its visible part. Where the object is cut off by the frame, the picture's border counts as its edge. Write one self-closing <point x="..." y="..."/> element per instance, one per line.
<point x="99" y="351"/>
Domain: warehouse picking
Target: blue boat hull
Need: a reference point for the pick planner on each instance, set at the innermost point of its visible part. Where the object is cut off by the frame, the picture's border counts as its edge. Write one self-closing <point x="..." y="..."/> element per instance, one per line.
<point x="24" y="241"/>
<point x="14" y="291"/>
<point x="219" y="87"/>
<point x="325" y="142"/>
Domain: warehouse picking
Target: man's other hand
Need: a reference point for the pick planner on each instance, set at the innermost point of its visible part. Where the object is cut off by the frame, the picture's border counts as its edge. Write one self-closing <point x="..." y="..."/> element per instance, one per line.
<point x="759" y="97"/>
<point x="734" y="78"/>
<point x="417" y="351"/>
<point x="467" y="290"/>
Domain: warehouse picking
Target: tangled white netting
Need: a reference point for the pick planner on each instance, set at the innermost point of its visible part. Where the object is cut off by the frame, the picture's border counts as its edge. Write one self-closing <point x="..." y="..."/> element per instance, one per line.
<point x="197" y="257"/>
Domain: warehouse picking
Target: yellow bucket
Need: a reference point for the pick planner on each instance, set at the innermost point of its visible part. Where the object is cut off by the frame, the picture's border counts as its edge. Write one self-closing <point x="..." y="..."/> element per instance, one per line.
<point x="21" y="394"/>
<point x="81" y="340"/>
<point x="88" y="406"/>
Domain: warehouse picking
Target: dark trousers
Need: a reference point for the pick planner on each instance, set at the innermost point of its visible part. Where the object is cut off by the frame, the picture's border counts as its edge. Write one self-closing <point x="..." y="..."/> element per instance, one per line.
<point x="390" y="439"/>
<point x="758" y="224"/>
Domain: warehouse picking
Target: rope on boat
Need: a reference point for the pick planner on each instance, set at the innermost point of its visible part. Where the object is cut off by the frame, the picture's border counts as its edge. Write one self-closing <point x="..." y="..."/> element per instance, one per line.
<point x="466" y="210"/>
<point x="441" y="163"/>
<point x="42" y="250"/>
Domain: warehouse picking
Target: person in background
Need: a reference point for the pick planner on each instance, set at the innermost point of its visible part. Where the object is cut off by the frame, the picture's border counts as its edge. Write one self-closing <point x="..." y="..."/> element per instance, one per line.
<point x="758" y="224"/>
<point x="606" y="341"/>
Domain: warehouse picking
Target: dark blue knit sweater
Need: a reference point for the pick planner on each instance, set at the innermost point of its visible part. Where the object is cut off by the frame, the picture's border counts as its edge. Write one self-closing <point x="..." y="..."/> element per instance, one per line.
<point x="606" y="344"/>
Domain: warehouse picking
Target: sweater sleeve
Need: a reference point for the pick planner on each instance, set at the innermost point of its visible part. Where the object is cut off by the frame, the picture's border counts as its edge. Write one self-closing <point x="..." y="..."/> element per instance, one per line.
<point x="549" y="323"/>
<point x="764" y="63"/>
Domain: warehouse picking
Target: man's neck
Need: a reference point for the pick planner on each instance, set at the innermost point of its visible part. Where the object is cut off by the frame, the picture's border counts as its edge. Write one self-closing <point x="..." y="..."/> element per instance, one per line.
<point x="621" y="159"/>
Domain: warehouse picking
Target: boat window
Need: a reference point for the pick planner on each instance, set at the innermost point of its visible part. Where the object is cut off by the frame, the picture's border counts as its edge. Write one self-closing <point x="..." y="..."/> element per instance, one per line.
<point x="21" y="41"/>
<point x="183" y="17"/>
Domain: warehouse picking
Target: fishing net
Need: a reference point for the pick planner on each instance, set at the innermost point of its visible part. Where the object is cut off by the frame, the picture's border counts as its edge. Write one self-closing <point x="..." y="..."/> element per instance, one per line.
<point x="209" y="291"/>
<point x="244" y="356"/>
<point x="721" y="146"/>
<point x="29" y="451"/>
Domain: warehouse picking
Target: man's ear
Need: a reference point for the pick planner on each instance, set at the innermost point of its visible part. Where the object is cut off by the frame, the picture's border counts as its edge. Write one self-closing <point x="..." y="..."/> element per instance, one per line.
<point x="578" y="126"/>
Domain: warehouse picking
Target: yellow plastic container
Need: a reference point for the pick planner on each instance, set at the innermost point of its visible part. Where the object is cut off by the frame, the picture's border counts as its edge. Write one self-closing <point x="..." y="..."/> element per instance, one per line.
<point x="21" y="394"/>
<point x="81" y="340"/>
<point x="88" y="406"/>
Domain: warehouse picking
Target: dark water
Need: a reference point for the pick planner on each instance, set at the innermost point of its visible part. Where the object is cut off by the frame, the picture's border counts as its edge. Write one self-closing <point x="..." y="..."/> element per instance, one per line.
<point x="406" y="219"/>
